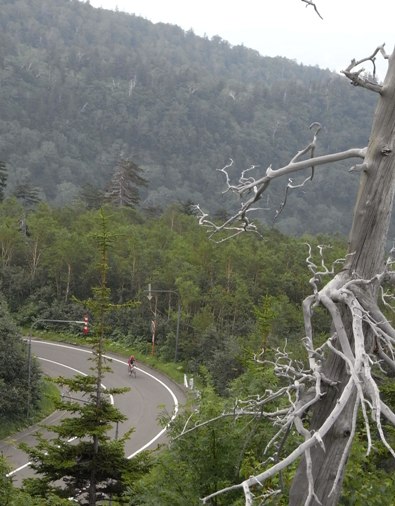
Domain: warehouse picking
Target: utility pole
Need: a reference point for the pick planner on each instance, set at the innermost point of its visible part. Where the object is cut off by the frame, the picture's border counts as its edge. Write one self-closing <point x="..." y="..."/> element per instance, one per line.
<point x="153" y="322"/>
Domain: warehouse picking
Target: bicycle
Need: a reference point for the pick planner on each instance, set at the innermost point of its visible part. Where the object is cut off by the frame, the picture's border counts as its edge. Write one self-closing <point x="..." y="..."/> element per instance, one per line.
<point x="132" y="370"/>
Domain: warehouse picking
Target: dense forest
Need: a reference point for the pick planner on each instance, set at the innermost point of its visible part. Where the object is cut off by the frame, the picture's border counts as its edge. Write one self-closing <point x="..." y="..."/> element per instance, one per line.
<point x="236" y="298"/>
<point x="82" y="87"/>
<point x="51" y="264"/>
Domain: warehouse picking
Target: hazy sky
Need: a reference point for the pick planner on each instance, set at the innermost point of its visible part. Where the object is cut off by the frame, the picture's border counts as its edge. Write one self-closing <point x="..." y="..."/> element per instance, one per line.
<point x="350" y="28"/>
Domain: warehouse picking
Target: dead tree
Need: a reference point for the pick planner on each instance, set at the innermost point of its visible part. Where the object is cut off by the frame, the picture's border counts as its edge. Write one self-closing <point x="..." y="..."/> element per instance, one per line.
<point x="339" y="381"/>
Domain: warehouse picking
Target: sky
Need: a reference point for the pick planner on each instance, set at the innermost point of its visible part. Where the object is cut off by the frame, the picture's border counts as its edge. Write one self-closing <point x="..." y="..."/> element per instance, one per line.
<point x="349" y="28"/>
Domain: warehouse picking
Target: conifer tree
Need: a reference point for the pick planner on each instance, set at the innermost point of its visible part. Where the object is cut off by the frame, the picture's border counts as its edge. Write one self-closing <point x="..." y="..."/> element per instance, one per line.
<point x="91" y="196"/>
<point x="95" y="467"/>
<point x="125" y="183"/>
<point x="27" y="194"/>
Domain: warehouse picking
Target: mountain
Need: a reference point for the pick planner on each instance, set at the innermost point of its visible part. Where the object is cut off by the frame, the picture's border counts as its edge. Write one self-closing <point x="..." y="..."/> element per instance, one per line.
<point x="83" y="87"/>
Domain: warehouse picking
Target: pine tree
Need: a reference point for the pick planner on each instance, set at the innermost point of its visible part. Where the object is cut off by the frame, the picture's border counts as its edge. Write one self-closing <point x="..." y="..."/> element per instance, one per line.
<point x="95" y="467"/>
<point x="125" y="184"/>
<point x="27" y="194"/>
<point x="91" y="196"/>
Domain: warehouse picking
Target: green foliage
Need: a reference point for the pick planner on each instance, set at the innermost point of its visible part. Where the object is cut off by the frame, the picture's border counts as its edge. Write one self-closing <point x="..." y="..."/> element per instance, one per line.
<point x="214" y="450"/>
<point x="207" y="457"/>
<point x="19" y="387"/>
<point x="91" y="196"/>
<point x="278" y="320"/>
<point x="235" y="296"/>
<point x="94" y="467"/>
<point x="368" y="478"/>
<point x="47" y="395"/>
<point x="70" y="110"/>
<point x="6" y="488"/>
<point x="27" y="194"/>
<point x="12" y="496"/>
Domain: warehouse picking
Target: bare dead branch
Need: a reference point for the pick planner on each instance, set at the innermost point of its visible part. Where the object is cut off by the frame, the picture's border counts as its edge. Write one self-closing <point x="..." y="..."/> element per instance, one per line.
<point x="254" y="188"/>
<point x="357" y="77"/>
<point x="227" y="227"/>
<point x="309" y="2"/>
<point x="387" y="412"/>
<point x="315" y="438"/>
<point x="389" y="361"/>
<point x="202" y="424"/>
<point x="304" y="387"/>
<point x="360" y="167"/>
<point x="363" y="338"/>
<point x="310" y="148"/>
<point x="346" y="448"/>
<point x="304" y="164"/>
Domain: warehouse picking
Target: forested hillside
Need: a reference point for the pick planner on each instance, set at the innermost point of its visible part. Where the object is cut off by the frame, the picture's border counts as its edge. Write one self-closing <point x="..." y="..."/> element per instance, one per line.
<point x="223" y="290"/>
<point x="82" y="87"/>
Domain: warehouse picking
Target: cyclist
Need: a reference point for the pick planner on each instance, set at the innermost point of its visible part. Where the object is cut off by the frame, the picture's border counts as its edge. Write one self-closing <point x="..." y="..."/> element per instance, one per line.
<point x="131" y="363"/>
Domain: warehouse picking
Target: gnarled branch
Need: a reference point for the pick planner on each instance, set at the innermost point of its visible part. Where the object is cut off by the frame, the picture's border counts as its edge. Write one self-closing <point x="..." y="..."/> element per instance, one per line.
<point x="358" y="78"/>
<point x="253" y="188"/>
<point x="305" y="386"/>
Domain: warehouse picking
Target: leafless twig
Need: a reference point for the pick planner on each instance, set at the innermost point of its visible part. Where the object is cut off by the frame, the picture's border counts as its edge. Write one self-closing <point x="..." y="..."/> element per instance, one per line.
<point x="309" y="2"/>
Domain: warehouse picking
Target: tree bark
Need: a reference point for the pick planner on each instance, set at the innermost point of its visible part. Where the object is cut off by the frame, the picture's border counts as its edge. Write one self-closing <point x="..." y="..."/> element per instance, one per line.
<point x="367" y="243"/>
<point x="326" y="463"/>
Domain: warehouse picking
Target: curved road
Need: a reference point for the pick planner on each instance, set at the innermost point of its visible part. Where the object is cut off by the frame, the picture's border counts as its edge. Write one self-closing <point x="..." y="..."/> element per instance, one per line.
<point x="150" y="395"/>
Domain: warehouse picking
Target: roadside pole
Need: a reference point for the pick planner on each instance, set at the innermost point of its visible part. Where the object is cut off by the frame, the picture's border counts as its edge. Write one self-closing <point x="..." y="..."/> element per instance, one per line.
<point x="153" y="322"/>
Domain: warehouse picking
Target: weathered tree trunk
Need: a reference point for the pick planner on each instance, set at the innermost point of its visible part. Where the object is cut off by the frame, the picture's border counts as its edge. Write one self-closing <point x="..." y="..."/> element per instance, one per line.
<point x="367" y="242"/>
<point x="326" y="463"/>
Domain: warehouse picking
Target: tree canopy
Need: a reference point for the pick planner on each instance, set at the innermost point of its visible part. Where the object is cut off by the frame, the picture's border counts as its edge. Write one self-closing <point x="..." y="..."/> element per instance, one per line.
<point x="19" y="381"/>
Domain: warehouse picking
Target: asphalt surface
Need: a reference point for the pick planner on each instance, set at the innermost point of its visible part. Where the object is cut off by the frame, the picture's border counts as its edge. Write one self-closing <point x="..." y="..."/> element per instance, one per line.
<point x="151" y="394"/>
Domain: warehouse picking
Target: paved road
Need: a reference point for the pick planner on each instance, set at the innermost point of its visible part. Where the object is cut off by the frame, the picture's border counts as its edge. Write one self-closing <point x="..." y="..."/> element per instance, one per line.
<point x="151" y="394"/>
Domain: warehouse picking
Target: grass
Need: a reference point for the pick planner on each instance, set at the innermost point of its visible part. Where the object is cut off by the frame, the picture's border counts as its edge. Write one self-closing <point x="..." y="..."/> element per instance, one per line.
<point x="50" y="393"/>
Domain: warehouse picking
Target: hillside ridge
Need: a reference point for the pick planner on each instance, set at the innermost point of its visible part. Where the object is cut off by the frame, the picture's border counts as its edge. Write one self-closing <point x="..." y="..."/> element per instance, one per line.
<point x="83" y="87"/>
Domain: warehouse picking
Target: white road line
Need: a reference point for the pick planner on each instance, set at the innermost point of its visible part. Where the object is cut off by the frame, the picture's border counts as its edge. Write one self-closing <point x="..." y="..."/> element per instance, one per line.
<point x="76" y="371"/>
<point x="18" y="469"/>
<point x="73" y="438"/>
<point x="83" y="350"/>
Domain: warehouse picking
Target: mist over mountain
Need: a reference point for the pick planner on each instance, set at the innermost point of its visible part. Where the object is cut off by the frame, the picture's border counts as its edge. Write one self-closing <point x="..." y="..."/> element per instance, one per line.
<point x="83" y="87"/>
